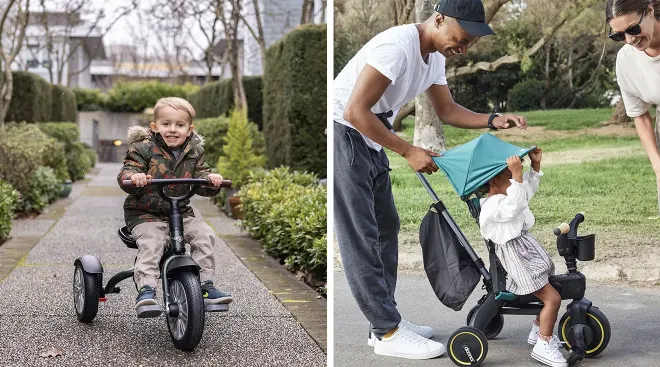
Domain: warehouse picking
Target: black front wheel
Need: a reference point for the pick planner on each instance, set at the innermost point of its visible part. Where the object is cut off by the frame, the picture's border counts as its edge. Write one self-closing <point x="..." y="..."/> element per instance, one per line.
<point x="86" y="289"/>
<point x="467" y="346"/>
<point x="597" y="331"/>
<point x="186" y="326"/>
<point x="494" y="327"/>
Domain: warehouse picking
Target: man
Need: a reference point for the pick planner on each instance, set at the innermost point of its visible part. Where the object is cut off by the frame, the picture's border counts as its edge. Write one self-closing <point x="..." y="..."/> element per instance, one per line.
<point x="389" y="71"/>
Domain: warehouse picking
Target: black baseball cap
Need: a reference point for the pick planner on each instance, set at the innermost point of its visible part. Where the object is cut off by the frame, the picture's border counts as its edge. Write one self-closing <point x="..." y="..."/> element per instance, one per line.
<point x="470" y="15"/>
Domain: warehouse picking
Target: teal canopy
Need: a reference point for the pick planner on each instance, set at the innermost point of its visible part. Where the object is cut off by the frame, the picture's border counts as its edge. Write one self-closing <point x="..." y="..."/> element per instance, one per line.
<point x="474" y="163"/>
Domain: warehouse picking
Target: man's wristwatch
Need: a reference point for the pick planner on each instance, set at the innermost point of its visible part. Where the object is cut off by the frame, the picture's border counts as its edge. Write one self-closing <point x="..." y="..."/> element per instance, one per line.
<point x="490" y="120"/>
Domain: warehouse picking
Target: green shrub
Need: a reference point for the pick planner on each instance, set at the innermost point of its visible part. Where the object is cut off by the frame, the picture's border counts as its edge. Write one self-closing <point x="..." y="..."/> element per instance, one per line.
<point x="23" y="148"/>
<point x="526" y="95"/>
<point x="55" y="158"/>
<point x="291" y="218"/>
<point x="78" y="161"/>
<point x="294" y="94"/>
<point x="44" y="189"/>
<point x="65" y="132"/>
<point x="64" y="106"/>
<point x="91" y="155"/>
<point x="217" y="99"/>
<point x="31" y="99"/>
<point x="239" y="158"/>
<point x="138" y="96"/>
<point x="89" y="99"/>
<point x="8" y="202"/>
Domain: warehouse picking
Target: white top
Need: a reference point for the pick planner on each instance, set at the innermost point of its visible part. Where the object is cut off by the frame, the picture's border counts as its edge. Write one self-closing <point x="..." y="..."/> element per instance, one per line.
<point x="638" y="76"/>
<point x="503" y="217"/>
<point x="396" y="54"/>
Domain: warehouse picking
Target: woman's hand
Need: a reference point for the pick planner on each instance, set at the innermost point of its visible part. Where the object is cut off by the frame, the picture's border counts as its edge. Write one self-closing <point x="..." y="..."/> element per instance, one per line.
<point x="515" y="166"/>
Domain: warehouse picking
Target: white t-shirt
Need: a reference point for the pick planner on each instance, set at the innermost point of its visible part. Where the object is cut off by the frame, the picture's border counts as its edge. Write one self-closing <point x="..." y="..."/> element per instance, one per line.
<point x="396" y="54"/>
<point x="638" y="76"/>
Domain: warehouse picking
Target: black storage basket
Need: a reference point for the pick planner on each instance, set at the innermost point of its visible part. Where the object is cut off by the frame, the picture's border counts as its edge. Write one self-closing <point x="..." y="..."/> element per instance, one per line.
<point x="586" y="247"/>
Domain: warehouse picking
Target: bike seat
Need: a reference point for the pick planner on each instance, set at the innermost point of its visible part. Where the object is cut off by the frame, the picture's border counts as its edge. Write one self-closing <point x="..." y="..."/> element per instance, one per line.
<point x="127" y="238"/>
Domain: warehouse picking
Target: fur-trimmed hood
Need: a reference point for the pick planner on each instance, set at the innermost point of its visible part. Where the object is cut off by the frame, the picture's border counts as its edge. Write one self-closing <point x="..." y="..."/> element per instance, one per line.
<point x="139" y="133"/>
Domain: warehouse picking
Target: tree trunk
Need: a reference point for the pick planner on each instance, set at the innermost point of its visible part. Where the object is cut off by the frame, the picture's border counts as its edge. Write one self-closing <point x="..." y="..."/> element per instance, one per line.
<point x="546" y="72"/>
<point x="6" y="90"/>
<point x="405" y="111"/>
<point x="619" y="115"/>
<point x="429" y="132"/>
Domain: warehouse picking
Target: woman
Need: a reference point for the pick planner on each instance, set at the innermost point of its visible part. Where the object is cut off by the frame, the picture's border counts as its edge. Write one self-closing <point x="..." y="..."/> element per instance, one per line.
<point x="637" y="23"/>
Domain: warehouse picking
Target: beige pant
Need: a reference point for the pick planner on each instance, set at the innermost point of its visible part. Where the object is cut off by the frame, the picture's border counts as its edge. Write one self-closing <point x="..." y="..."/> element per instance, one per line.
<point x="152" y="237"/>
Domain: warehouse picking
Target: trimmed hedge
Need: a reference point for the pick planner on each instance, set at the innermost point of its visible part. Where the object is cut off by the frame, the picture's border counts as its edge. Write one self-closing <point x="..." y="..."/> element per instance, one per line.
<point x="31" y="99"/>
<point x="8" y="202"/>
<point x="217" y="99"/>
<point x="295" y="108"/>
<point x="89" y="99"/>
<point x="64" y="106"/>
<point x="77" y="157"/>
<point x="137" y="96"/>
<point x="78" y="161"/>
<point x="288" y="211"/>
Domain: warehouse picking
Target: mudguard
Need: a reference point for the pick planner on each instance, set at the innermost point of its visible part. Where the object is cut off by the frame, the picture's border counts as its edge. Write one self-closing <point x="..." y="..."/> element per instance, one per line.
<point x="180" y="262"/>
<point x="90" y="264"/>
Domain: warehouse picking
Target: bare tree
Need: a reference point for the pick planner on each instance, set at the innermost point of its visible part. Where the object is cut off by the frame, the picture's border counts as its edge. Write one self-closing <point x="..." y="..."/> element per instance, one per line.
<point x="62" y="42"/>
<point x="257" y="34"/>
<point x="15" y="17"/>
<point x="231" y="36"/>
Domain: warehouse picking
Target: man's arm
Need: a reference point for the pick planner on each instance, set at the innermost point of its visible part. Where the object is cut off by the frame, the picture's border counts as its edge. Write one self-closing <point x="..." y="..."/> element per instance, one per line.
<point x="369" y="88"/>
<point x="451" y="113"/>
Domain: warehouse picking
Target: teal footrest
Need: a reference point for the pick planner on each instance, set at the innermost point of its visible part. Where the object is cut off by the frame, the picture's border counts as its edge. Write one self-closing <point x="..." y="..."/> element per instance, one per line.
<point x="505" y="296"/>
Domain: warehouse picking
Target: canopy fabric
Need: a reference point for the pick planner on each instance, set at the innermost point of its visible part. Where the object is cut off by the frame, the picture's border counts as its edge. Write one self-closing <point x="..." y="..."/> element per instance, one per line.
<point x="474" y="163"/>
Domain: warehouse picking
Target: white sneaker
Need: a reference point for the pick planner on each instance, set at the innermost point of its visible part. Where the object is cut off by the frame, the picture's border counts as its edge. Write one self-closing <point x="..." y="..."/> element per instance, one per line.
<point x="425" y="331"/>
<point x="406" y="344"/>
<point x="533" y="335"/>
<point x="548" y="352"/>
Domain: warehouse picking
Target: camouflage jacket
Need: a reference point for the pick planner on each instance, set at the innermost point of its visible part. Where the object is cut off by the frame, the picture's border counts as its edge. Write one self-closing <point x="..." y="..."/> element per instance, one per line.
<point x="149" y="154"/>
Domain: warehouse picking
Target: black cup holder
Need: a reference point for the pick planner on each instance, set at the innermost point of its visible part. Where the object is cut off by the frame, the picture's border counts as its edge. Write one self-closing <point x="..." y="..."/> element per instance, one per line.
<point x="586" y="247"/>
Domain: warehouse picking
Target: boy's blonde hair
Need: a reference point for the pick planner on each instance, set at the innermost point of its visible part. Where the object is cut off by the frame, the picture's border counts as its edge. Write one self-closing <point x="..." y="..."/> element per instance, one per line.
<point x="176" y="103"/>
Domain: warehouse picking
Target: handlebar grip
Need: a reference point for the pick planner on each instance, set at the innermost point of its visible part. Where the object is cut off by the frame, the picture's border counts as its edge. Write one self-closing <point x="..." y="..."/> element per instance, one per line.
<point x="562" y="229"/>
<point x="130" y="185"/>
<point x="226" y="183"/>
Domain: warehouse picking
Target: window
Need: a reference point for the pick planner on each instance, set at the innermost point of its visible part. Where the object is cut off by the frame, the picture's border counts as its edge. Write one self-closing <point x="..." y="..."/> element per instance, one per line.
<point x="32" y="63"/>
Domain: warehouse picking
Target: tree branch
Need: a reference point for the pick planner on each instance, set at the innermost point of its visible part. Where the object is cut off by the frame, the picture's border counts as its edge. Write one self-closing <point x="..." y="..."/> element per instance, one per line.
<point x="567" y="15"/>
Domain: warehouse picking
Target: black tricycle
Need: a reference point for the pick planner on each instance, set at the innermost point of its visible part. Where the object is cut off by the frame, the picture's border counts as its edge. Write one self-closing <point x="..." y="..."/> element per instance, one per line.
<point x="183" y="303"/>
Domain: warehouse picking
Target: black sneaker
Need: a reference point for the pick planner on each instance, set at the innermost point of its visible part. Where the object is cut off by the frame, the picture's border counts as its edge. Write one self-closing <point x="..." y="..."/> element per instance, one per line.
<point x="213" y="295"/>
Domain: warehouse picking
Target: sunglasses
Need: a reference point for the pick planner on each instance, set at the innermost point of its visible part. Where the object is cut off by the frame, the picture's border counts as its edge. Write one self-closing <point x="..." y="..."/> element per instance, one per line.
<point x="632" y="30"/>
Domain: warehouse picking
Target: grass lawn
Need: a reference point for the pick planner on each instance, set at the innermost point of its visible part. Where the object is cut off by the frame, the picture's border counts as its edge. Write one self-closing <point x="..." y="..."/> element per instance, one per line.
<point x="617" y="194"/>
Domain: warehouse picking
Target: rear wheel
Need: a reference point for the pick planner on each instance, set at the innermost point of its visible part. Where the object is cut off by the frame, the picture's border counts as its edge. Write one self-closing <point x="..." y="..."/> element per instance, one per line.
<point x="86" y="289"/>
<point x="187" y="325"/>
<point x="467" y="346"/>
<point x="597" y="331"/>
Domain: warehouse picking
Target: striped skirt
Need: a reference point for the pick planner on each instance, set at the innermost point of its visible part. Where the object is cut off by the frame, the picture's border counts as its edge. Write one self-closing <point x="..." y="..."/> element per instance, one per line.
<point x="527" y="263"/>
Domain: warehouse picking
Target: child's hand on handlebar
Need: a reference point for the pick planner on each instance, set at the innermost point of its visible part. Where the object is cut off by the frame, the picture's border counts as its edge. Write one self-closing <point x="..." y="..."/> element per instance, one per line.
<point x="215" y="179"/>
<point x="140" y="179"/>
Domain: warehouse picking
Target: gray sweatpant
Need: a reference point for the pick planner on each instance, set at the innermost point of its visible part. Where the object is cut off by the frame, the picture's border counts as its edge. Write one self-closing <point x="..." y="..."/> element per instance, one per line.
<point x="152" y="237"/>
<point x="366" y="226"/>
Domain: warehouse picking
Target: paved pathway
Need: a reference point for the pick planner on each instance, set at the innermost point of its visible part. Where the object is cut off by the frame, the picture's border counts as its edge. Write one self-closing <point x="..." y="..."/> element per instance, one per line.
<point x="36" y="305"/>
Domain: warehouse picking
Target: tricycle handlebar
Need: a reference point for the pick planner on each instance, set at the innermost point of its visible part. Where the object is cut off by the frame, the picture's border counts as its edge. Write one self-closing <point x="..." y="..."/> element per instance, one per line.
<point x="176" y="181"/>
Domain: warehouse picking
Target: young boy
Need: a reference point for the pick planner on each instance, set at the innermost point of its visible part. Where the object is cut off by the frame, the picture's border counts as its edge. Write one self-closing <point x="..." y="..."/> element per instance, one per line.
<point x="170" y="149"/>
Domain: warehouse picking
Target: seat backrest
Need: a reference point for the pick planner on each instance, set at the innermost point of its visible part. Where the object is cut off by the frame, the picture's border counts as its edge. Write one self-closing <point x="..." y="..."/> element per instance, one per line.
<point x="474" y="205"/>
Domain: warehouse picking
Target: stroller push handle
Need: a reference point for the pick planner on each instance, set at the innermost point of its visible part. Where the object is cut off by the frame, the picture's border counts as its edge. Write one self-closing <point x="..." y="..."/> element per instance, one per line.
<point x="579" y="218"/>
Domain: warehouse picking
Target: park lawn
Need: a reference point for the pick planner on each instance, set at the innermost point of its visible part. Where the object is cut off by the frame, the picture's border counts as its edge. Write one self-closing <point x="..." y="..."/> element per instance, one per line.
<point x="617" y="194"/>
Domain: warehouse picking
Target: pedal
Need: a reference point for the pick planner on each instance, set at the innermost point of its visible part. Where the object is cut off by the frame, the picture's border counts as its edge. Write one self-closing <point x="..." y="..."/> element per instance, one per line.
<point x="222" y="307"/>
<point x="148" y="311"/>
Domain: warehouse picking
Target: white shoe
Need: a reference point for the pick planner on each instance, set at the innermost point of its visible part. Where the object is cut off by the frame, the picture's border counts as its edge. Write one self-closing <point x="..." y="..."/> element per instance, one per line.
<point x="406" y="344"/>
<point x="425" y="331"/>
<point x="548" y="352"/>
<point x="533" y="335"/>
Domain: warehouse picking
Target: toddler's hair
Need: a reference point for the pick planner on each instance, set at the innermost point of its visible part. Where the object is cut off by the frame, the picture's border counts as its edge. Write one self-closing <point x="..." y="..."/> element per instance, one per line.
<point x="483" y="190"/>
<point x="176" y="103"/>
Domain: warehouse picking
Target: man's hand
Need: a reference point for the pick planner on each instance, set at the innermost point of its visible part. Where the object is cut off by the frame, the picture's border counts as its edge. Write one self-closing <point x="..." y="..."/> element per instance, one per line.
<point x="215" y="179"/>
<point x="420" y="159"/>
<point x="504" y="121"/>
<point x="140" y="179"/>
<point x="515" y="166"/>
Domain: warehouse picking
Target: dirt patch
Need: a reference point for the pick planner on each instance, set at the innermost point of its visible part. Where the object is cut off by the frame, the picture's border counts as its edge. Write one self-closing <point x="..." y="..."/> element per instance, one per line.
<point x="591" y="154"/>
<point x="542" y="133"/>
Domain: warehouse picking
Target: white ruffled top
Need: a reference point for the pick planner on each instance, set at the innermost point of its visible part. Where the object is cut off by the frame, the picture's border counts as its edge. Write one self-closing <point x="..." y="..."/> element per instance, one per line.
<point x="503" y="217"/>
